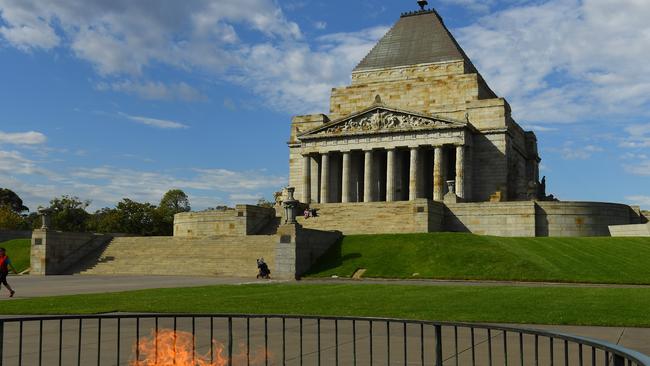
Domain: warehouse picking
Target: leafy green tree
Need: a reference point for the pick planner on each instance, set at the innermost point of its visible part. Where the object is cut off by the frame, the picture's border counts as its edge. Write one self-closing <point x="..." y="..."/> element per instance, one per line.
<point x="106" y="220"/>
<point x="10" y="199"/>
<point x="173" y="202"/>
<point x="10" y="220"/>
<point x="137" y="218"/>
<point x="69" y="214"/>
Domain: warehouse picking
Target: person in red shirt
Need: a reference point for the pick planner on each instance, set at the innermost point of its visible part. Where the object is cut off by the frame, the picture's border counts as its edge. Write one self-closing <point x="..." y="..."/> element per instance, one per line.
<point x="5" y="265"/>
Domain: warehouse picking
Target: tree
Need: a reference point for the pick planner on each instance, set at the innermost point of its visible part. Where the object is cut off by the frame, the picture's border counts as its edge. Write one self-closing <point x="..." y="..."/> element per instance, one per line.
<point x="10" y="199"/>
<point x="10" y="220"/>
<point x="137" y="218"/>
<point x="69" y="214"/>
<point x="173" y="202"/>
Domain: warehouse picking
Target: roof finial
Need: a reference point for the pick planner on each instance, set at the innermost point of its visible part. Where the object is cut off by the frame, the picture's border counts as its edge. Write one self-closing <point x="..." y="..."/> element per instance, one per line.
<point x="423" y="3"/>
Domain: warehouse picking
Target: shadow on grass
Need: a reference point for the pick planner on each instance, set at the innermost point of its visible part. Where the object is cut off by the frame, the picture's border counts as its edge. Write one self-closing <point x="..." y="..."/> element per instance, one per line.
<point x="332" y="259"/>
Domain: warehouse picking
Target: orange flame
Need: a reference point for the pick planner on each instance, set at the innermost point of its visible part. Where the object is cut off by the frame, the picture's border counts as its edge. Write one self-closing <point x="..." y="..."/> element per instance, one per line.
<point x="166" y="347"/>
<point x="175" y="348"/>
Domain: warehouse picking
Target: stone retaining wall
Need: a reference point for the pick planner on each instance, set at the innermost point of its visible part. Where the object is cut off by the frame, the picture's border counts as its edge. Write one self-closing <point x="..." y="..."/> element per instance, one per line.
<point x="498" y="219"/>
<point x="53" y="252"/>
<point x="243" y="220"/>
<point x="419" y="216"/>
<point x="522" y="218"/>
<point x="636" y="230"/>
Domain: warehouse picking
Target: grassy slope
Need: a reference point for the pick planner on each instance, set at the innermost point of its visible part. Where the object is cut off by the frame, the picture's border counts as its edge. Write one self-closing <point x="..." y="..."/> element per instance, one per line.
<point x="543" y="305"/>
<point x="466" y="256"/>
<point x="18" y="251"/>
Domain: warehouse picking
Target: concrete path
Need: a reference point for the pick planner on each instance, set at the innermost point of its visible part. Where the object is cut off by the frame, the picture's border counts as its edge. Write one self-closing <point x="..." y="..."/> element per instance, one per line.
<point x="343" y="342"/>
<point x="37" y="286"/>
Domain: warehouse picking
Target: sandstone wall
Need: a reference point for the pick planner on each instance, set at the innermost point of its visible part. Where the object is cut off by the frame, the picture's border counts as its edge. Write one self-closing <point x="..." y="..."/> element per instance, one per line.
<point x="418" y="216"/>
<point x="243" y="220"/>
<point x="490" y="165"/>
<point x="54" y="252"/>
<point x="6" y="235"/>
<point x="580" y="218"/>
<point x="498" y="219"/>
<point x="532" y="218"/>
<point x="298" y="248"/>
<point x="635" y="230"/>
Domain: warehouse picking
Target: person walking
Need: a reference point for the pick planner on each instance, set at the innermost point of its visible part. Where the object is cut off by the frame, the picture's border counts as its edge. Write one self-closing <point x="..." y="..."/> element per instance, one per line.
<point x="5" y="265"/>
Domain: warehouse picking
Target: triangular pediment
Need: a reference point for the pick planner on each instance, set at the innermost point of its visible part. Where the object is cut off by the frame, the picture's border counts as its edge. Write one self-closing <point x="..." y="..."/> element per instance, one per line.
<point x="381" y="119"/>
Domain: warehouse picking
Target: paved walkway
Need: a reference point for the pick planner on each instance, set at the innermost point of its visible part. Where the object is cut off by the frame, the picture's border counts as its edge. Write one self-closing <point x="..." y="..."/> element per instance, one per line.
<point x="337" y="342"/>
<point x="37" y="286"/>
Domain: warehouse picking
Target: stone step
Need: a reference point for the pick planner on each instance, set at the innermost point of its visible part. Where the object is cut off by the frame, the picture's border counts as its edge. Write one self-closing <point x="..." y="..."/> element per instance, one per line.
<point x="225" y="256"/>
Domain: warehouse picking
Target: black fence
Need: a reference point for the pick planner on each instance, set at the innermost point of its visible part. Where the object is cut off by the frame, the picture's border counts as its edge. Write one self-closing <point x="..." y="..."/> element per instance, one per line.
<point x="231" y="340"/>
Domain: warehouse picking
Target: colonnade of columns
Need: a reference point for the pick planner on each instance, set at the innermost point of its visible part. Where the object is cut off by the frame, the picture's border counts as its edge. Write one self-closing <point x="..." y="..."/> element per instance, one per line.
<point x="380" y="174"/>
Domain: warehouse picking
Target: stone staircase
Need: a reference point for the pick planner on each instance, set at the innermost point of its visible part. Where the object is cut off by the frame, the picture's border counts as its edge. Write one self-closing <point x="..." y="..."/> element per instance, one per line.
<point x="228" y="256"/>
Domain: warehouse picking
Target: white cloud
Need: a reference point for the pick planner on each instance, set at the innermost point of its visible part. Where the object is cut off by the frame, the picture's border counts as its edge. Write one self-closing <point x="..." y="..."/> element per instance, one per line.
<point x="22" y="138"/>
<point x="122" y="38"/>
<point x="641" y="167"/>
<point x="638" y="136"/>
<point x="157" y="123"/>
<point x="643" y="201"/>
<point x="14" y="163"/>
<point x="320" y="25"/>
<point x="565" y="60"/>
<point x="571" y="151"/>
<point x="298" y="77"/>
<point x="154" y="90"/>
<point x="474" y="5"/>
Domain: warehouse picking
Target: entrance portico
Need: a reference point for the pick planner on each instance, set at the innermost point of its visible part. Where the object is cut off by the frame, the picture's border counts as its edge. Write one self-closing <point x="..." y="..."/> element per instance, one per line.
<point x="384" y="154"/>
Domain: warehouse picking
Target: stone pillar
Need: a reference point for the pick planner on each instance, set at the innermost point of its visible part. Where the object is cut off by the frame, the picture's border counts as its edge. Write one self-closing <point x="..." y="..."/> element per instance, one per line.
<point x="460" y="171"/>
<point x="414" y="174"/>
<point x="346" y="181"/>
<point x="368" y="183"/>
<point x="438" y="183"/>
<point x="325" y="178"/>
<point x="390" y="175"/>
<point x="306" y="179"/>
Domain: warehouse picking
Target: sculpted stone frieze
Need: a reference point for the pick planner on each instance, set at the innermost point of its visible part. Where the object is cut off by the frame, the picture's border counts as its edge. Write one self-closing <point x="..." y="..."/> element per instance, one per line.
<point x="379" y="120"/>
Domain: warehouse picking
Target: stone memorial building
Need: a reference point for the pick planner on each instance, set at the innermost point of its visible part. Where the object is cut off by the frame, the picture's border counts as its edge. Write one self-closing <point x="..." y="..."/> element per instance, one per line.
<point x="417" y="143"/>
<point x="417" y="121"/>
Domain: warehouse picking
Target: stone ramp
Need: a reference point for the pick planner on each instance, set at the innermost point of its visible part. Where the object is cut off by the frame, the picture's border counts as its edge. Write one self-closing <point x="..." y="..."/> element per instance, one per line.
<point x="228" y="256"/>
<point x="638" y="230"/>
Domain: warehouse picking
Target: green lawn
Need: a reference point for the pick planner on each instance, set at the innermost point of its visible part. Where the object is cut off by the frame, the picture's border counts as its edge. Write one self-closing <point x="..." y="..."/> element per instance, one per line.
<point x="542" y="305"/>
<point x="18" y="252"/>
<point x="466" y="256"/>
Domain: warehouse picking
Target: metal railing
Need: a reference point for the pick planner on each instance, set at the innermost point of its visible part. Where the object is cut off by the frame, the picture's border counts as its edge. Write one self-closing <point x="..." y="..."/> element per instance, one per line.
<point x="294" y="340"/>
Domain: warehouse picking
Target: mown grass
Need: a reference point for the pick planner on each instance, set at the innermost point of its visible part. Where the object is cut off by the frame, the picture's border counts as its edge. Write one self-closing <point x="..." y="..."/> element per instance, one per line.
<point x="541" y="305"/>
<point x="472" y="257"/>
<point x="18" y="251"/>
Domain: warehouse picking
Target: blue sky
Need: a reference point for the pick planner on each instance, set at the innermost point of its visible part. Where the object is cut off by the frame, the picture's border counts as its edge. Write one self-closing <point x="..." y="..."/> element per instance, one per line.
<point x="112" y="99"/>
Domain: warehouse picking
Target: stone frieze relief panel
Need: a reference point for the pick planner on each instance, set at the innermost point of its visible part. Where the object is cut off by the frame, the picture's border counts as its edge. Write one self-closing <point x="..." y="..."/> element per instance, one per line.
<point x="380" y="120"/>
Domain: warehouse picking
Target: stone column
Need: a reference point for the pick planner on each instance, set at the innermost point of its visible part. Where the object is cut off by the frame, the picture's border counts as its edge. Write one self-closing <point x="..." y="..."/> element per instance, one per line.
<point x="390" y="175"/>
<point x="414" y="174"/>
<point x="324" y="178"/>
<point x="306" y="179"/>
<point x="346" y="181"/>
<point x="460" y="171"/>
<point x="368" y="183"/>
<point x="438" y="183"/>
